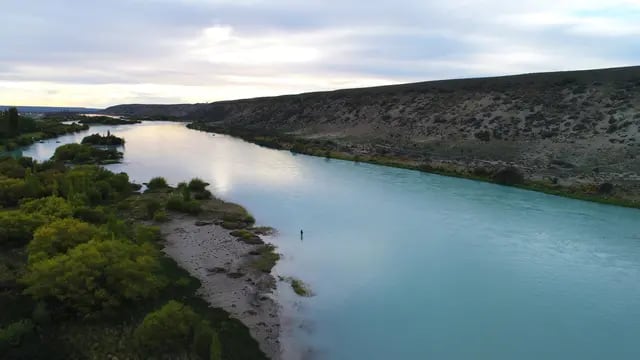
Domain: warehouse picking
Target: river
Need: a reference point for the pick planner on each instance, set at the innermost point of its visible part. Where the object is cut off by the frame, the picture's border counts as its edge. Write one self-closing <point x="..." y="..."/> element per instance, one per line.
<point x="408" y="265"/>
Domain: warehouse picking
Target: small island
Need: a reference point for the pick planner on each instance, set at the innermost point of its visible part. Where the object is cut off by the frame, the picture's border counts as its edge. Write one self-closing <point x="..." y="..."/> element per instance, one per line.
<point x="107" y="140"/>
<point x="86" y="154"/>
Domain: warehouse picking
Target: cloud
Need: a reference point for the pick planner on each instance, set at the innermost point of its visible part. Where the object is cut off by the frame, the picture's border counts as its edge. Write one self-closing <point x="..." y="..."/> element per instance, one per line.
<point x="74" y="52"/>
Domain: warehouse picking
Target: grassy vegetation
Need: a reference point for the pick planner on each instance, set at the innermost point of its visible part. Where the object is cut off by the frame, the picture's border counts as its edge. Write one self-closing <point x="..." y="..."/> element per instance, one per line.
<point x="247" y="236"/>
<point x="66" y="230"/>
<point x="267" y="257"/>
<point x="300" y="288"/>
<point x="329" y="149"/>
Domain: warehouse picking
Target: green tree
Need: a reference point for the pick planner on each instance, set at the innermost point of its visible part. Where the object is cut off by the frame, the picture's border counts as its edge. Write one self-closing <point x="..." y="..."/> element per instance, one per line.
<point x="58" y="237"/>
<point x="96" y="276"/>
<point x="16" y="227"/>
<point x="167" y="330"/>
<point x="12" y="191"/>
<point x="13" y="120"/>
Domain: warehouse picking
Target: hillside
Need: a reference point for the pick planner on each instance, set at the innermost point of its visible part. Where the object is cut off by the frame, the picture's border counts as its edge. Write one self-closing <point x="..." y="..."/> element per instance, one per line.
<point x="567" y="128"/>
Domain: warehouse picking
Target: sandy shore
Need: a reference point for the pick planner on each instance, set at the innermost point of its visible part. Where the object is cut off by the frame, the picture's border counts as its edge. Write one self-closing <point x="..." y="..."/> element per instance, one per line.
<point x="221" y="263"/>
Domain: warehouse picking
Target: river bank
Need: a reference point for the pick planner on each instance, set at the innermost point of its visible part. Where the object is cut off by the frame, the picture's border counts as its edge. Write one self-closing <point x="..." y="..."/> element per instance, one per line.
<point x="625" y="195"/>
<point x="223" y="264"/>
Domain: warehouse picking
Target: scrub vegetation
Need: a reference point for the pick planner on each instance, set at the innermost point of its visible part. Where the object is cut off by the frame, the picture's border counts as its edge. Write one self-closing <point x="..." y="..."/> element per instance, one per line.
<point x="82" y="274"/>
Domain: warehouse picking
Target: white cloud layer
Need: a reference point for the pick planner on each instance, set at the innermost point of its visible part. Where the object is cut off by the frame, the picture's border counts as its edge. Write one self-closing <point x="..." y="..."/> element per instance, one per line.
<point x="81" y="53"/>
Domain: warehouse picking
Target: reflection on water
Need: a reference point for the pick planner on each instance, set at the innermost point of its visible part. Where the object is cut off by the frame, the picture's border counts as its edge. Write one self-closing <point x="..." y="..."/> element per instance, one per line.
<point x="408" y="265"/>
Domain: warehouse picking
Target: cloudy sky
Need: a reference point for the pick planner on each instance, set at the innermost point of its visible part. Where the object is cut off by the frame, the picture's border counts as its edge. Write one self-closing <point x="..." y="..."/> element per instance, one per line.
<point x="100" y="53"/>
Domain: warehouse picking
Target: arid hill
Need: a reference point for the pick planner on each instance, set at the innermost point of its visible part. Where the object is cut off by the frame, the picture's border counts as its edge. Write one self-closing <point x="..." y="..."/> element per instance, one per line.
<point x="571" y="128"/>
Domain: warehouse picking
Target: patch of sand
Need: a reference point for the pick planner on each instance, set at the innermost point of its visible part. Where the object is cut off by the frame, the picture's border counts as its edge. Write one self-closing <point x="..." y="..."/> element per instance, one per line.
<point x="221" y="263"/>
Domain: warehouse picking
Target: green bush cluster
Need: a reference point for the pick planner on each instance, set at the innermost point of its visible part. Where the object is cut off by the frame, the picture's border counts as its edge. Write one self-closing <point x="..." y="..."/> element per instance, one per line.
<point x="174" y="328"/>
<point x="13" y="334"/>
<point x="96" y="276"/>
<point x="157" y="183"/>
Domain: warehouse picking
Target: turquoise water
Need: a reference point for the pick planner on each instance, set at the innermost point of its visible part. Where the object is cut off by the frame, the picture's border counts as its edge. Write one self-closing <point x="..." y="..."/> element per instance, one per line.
<point x="407" y="265"/>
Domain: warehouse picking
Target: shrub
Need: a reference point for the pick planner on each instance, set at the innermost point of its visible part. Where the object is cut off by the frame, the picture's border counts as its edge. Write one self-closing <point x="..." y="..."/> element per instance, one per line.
<point x="10" y="167"/>
<point x="91" y="215"/>
<point x="508" y="176"/>
<point x="41" y="315"/>
<point x="52" y="206"/>
<point x="13" y="334"/>
<point x="59" y="236"/>
<point x="12" y="191"/>
<point x="160" y="216"/>
<point x="197" y="185"/>
<point x="605" y="188"/>
<point x="146" y="233"/>
<point x="166" y="330"/>
<point x="152" y="206"/>
<point x="215" y="347"/>
<point x="177" y="203"/>
<point x="483" y="135"/>
<point x="16" y="227"/>
<point x="157" y="183"/>
<point x="96" y="276"/>
<point x="202" y="336"/>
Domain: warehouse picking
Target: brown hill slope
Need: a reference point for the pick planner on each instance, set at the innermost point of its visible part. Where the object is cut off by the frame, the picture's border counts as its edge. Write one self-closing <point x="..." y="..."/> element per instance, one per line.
<point x="573" y="128"/>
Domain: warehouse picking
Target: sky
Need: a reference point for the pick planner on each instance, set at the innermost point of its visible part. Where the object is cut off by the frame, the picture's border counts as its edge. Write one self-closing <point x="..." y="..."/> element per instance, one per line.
<point x="102" y="53"/>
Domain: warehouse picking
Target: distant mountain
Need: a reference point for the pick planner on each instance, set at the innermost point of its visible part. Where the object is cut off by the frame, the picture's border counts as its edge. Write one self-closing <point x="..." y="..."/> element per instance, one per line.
<point x="50" y="109"/>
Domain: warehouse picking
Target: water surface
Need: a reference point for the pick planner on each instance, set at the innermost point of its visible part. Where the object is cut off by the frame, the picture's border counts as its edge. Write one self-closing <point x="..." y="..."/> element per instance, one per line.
<point x="407" y="265"/>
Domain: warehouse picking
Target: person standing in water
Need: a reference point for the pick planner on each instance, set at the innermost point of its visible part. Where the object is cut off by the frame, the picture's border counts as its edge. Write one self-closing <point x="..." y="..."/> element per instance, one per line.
<point x="301" y="234"/>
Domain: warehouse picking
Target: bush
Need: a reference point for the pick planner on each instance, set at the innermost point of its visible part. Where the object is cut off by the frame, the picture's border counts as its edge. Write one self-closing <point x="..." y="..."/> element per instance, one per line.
<point x="202" y="336"/>
<point x="16" y="227"/>
<point x="91" y="215"/>
<point x="41" y="315"/>
<point x="160" y="216"/>
<point x="215" y="348"/>
<point x="483" y="135"/>
<point x="96" y="276"/>
<point x="605" y="188"/>
<point x="177" y="203"/>
<point x="147" y="234"/>
<point x="508" y="176"/>
<point x="13" y="334"/>
<point x="51" y="206"/>
<point x="157" y="183"/>
<point x="10" y="167"/>
<point x="12" y="191"/>
<point x="197" y="185"/>
<point x="167" y="330"/>
<point x="152" y="206"/>
<point x="59" y="236"/>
